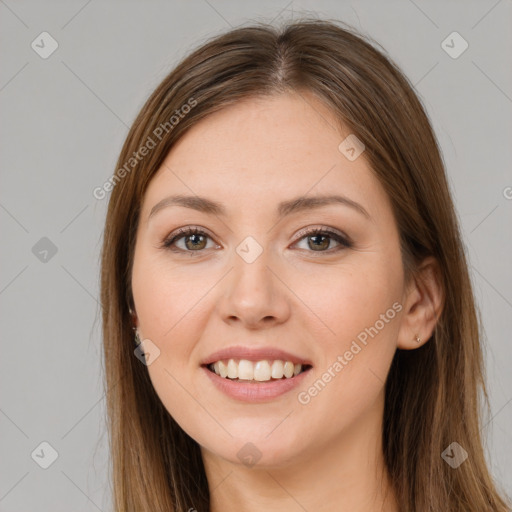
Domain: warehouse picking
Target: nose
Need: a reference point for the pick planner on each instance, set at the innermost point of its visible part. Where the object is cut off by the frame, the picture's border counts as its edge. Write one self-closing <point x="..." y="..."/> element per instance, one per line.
<point x="254" y="295"/>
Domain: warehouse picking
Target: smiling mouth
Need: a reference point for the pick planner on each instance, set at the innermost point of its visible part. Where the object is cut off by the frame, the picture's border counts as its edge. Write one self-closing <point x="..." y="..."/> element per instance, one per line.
<point x="265" y="370"/>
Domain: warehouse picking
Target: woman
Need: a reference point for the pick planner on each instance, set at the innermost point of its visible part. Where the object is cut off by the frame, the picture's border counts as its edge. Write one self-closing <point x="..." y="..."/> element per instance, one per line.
<point x="281" y="246"/>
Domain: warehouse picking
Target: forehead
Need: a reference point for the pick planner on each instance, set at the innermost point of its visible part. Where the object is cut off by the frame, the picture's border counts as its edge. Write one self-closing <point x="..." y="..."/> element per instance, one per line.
<point x="262" y="150"/>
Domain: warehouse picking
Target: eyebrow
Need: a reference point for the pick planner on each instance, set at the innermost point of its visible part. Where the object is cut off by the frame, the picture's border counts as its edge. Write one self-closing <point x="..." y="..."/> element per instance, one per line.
<point x="285" y="208"/>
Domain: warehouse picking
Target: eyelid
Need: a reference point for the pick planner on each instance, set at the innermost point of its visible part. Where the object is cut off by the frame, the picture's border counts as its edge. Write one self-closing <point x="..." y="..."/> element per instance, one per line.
<point x="333" y="233"/>
<point x="342" y="240"/>
<point x="327" y="229"/>
<point x="182" y="232"/>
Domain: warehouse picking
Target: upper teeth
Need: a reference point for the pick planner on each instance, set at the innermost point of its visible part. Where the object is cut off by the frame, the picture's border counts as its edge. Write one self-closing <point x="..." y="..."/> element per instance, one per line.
<point x="260" y="370"/>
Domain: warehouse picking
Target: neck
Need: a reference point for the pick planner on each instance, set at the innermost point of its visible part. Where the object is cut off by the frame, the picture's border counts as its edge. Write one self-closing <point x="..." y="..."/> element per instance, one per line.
<point x="345" y="475"/>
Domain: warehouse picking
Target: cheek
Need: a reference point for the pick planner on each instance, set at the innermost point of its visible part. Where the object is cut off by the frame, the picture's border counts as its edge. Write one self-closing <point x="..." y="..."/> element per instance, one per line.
<point x="170" y="305"/>
<point x="349" y="298"/>
<point x="168" y="300"/>
<point x="361" y="306"/>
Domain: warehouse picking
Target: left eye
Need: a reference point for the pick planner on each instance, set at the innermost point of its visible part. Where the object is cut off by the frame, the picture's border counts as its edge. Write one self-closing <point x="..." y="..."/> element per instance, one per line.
<point x="320" y="239"/>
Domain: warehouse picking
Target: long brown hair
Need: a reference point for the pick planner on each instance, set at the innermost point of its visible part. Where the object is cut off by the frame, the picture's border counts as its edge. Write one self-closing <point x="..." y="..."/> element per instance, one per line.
<point x="433" y="393"/>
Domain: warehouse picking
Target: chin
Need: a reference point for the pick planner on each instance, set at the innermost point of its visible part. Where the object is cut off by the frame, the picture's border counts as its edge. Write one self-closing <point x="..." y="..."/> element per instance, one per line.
<point x="262" y="453"/>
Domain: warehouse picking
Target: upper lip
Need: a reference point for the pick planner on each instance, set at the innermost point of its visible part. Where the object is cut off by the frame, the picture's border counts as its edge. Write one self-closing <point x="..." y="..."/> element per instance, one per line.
<point x="254" y="354"/>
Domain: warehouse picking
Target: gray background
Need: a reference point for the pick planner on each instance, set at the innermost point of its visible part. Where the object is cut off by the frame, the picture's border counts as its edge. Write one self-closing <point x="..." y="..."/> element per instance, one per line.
<point x="64" y="119"/>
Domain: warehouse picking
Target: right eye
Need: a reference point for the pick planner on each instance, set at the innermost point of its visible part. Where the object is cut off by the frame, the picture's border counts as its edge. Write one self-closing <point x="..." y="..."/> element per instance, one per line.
<point x="195" y="240"/>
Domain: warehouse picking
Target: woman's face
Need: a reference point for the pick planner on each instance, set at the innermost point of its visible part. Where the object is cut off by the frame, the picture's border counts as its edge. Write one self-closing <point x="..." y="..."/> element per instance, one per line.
<point x="258" y="286"/>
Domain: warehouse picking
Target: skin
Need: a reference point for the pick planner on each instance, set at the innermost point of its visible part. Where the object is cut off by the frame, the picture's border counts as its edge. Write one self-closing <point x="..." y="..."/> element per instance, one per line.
<point x="325" y="455"/>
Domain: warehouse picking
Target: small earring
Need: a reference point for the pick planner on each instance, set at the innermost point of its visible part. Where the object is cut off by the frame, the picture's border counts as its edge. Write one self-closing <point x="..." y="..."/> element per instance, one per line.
<point x="137" y="339"/>
<point x="417" y="339"/>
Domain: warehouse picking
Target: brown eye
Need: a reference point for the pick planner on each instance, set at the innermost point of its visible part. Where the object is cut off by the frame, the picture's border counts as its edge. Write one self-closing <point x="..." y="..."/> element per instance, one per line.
<point x="320" y="240"/>
<point x="194" y="240"/>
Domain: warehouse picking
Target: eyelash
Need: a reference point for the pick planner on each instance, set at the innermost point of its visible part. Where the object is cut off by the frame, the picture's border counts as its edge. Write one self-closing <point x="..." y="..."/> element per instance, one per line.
<point x="343" y="241"/>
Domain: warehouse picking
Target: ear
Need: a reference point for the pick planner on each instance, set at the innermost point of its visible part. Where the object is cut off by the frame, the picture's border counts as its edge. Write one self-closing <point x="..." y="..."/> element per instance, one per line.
<point x="423" y="304"/>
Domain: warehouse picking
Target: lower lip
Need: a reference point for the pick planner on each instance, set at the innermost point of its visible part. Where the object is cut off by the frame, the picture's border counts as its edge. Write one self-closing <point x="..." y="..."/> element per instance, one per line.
<point x="254" y="391"/>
